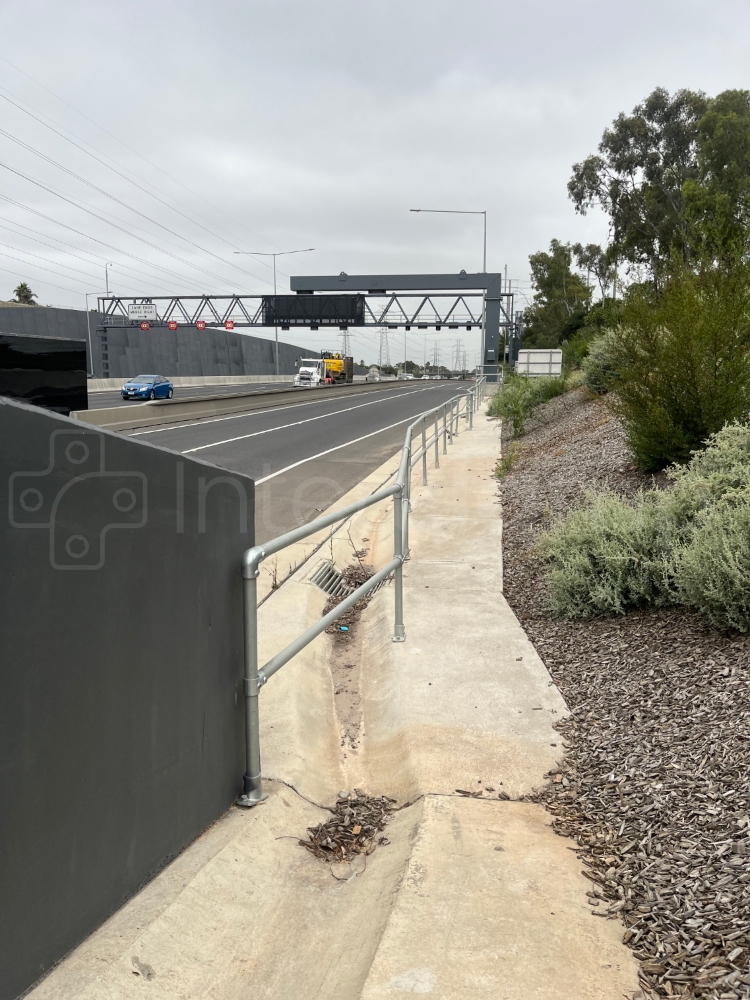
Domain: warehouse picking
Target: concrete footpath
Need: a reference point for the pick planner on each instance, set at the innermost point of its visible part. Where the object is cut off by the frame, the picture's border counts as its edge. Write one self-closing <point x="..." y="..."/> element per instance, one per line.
<point x="474" y="896"/>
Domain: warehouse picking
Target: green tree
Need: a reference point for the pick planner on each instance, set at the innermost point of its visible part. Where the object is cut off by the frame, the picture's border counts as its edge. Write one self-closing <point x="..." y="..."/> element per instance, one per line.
<point x="637" y="178"/>
<point x="683" y="361"/>
<point x="24" y="294"/>
<point x="561" y="297"/>
<point x="674" y="175"/>
<point x="593" y="260"/>
<point x="717" y="203"/>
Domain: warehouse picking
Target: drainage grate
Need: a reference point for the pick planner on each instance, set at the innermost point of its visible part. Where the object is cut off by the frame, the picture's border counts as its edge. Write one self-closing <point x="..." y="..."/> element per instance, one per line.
<point x="331" y="582"/>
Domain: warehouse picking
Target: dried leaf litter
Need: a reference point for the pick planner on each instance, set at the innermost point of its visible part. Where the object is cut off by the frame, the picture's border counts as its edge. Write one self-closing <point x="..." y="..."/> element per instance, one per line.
<point x="355" y="828"/>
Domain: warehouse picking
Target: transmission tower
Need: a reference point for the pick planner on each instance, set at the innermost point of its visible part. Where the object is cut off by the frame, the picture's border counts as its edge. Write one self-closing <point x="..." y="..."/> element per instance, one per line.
<point x="384" y="354"/>
<point x="456" y="359"/>
<point x="436" y="355"/>
<point x="345" y="343"/>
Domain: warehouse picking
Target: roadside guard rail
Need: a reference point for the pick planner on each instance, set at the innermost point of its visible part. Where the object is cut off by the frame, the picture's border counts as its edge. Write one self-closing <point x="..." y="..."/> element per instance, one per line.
<point x="430" y="428"/>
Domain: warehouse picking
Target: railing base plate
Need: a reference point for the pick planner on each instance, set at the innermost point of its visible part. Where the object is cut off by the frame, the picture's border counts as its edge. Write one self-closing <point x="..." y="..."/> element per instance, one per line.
<point x="247" y="801"/>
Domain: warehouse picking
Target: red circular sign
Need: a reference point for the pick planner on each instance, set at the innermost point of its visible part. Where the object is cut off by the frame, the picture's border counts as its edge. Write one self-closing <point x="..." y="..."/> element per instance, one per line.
<point x="172" y="324"/>
<point x="229" y="324"/>
<point x="145" y="325"/>
<point x="200" y="325"/>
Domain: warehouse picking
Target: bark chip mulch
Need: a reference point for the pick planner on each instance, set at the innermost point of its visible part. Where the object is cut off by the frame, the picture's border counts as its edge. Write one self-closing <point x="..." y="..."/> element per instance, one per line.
<point x="655" y="784"/>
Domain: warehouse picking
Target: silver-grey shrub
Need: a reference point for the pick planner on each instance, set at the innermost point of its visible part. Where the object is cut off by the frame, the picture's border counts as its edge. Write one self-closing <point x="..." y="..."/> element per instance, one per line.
<point x="689" y="543"/>
<point x="608" y="555"/>
<point x="714" y="569"/>
<point x="600" y="366"/>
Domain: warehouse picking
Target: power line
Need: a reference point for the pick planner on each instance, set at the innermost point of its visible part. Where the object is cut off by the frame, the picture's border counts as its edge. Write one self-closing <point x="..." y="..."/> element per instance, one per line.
<point x="119" y="173"/>
<point x="69" y="253"/>
<point x="130" y="208"/>
<point x="83" y="208"/>
<point x="115" y="225"/>
<point x="124" y="144"/>
<point x="94" y="239"/>
<point x="16" y="274"/>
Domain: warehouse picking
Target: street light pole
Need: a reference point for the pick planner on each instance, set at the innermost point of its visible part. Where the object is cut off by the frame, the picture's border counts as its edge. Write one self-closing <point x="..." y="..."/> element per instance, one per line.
<point x="88" y="324"/>
<point x="106" y="275"/>
<point x="278" y="253"/>
<point x="458" y="211"/>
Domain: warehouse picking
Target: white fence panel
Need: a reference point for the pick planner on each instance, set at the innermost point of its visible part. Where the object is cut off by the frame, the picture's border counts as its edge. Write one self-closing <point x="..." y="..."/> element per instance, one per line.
<point x="539" y="362"/>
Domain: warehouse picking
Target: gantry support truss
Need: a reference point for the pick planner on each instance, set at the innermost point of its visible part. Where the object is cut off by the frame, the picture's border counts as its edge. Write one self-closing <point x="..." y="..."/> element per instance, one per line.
<point x="422" y="301"/>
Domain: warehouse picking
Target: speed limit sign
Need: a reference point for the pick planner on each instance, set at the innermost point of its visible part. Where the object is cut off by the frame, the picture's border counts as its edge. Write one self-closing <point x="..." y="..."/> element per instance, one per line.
<point x="200" y="325"/>
<point x="229" y="325"/>
<point x="145" y="325"/>
<point x="172" y="324"/>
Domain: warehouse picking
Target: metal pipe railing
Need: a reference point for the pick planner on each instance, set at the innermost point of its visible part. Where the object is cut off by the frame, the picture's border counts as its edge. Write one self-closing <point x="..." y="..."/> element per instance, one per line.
<point x="400" y="490"/>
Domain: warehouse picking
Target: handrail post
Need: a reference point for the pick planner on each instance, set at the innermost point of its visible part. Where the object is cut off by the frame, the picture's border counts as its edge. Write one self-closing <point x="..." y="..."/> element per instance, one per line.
<point x="470" y="408"/>
<point x="445" y="428"/>
<point x="437" y="441"/>
<point x="406" y="508"/>
<point x="424" y="451"/>
<point x="399" y="631"/>
<point x="252" y="784"/>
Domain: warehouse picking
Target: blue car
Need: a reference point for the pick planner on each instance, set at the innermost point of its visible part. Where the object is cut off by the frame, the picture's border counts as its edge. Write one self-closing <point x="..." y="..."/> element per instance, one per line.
<point x="148" y="387"/>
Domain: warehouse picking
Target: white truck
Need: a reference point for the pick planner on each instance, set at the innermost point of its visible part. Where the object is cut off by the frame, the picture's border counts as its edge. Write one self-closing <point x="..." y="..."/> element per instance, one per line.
<point x="311" y="373"/>
<point x="328" y="369"/>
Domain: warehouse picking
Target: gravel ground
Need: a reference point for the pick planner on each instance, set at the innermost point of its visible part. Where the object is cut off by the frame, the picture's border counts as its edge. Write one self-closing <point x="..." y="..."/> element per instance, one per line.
<point x="655" y="786"/>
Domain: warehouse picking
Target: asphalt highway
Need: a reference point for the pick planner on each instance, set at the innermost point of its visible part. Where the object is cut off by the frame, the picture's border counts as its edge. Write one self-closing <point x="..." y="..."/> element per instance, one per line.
<point x="305" y="456"/>
<point x="114" y="398"/>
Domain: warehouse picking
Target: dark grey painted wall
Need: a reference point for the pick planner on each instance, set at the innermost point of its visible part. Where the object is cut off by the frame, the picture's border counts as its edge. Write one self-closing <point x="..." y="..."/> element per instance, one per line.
<point x="122" y="352"/>
<point x="121" y="716"/>
<point x="128" y="351"/>
<point x="40" y="321"/>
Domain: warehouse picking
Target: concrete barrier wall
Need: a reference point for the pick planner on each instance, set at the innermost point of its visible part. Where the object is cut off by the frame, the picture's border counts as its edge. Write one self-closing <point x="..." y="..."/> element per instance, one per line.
<point x="188" y="381"/>
<point x="121" y="717"/>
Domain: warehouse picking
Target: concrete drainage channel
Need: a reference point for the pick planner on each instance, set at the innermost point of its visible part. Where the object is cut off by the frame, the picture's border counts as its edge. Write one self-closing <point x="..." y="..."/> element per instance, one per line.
<point x="472" y="895"/>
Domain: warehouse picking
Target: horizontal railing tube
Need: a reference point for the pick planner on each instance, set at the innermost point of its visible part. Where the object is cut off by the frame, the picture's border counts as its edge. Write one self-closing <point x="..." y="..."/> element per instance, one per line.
<point x="253" y="679"/>
<point x="278" y="661"/>
<point x="253" y="557"/>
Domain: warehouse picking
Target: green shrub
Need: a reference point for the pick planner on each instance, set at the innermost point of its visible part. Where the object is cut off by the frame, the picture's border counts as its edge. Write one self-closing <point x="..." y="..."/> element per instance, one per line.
<point x="689" y="543"/>
<point x="507" y="462"/>
<point x="600" y="366"/>
<point x="683" y="362"/>
<point x="520" y="395"/>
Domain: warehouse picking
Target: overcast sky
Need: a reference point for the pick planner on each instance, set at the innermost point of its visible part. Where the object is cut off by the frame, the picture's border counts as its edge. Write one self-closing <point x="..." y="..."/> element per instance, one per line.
<point x="296" y="123"/>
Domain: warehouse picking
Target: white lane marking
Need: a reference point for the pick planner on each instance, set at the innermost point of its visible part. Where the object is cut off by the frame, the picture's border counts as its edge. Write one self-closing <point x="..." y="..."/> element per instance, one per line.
<point x="251" y="413"/>
<point x="296" y="423"/>
<point x="320" y="454"/>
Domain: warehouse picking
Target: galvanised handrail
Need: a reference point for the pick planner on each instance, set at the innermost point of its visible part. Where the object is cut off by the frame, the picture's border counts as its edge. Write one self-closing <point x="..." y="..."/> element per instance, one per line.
<point x="400" y="490"/>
